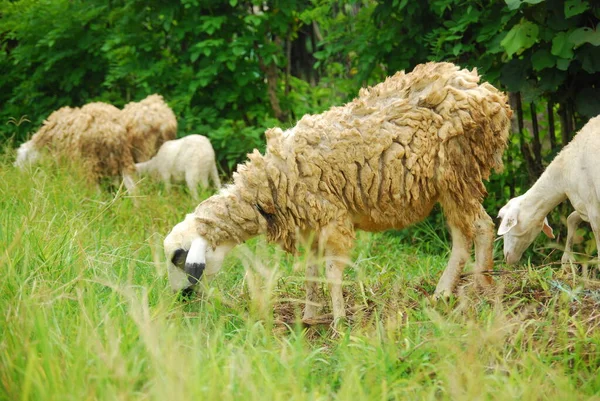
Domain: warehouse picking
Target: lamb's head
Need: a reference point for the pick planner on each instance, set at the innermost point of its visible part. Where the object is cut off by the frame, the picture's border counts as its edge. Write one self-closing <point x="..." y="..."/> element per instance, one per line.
<point x="519" y="228"/>
<point x="27" y="154"/>
<point x="190" y="255"/>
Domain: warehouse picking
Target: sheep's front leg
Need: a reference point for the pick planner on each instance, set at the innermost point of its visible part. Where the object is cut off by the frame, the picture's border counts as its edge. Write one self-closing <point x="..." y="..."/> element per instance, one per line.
<point x="484" y="249"/>
<point x="461" y="250"/>
<point x="310" y="307"/>
<point x="337" y="240"/>
<point x="335" y="271"/>
<point x="573" y="222"/>
<point x="192" y="183"/>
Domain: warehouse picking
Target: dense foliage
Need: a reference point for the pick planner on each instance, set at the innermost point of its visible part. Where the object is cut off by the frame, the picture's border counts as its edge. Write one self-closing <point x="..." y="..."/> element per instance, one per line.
<point x="232" y="68"/>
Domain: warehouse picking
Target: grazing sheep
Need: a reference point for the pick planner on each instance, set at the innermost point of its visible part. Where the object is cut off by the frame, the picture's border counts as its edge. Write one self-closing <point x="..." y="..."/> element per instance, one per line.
<point x="574" y="174"/>
<point x="149" y="124"/>
<point x="90" y="136"/>
<point x="379" y="162"/>
<point x="190" y="158"/>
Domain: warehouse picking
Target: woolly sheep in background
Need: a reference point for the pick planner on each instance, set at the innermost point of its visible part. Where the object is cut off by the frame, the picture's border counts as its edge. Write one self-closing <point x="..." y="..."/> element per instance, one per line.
<point x="574" y="174"/>
<point x="379" y="162"/>
<point x="149" y="124"/>
<point x="91" y="136"/>
<point x="190" y="158"/>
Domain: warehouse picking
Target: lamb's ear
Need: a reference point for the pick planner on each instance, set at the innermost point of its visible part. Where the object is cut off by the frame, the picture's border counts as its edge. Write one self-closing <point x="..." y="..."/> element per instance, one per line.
<point x="547" y="229"/>
<point x="195" y="263"/>
<point x="509" y="220"/>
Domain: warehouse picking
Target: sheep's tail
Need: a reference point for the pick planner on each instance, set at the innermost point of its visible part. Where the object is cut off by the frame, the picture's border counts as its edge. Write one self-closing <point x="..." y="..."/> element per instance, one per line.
<point x="214" y="175"/>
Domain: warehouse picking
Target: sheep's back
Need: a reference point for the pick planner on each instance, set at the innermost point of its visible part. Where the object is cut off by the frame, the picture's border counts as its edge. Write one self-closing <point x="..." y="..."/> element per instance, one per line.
<point x="392" y="152"/>
<point x="149" y="124"/>
<point x="91" y="136"/>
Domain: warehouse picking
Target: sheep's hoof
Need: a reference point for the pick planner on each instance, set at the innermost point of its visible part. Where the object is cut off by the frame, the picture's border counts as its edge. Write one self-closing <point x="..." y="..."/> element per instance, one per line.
<point x="340" y="324"/>
<point x="484" y="282"/>
<point x="442" y="295"/>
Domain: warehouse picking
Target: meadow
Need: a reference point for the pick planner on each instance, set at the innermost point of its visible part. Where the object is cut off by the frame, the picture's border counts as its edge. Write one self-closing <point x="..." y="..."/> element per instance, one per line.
<point x="86" y="313"/>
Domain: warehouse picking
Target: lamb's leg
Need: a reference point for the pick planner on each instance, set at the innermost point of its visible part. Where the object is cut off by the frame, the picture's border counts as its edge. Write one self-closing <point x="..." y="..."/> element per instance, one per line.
<point x="192" y="183"/>
<point x="484" y="249"/>
<point x="204" y="181"/>
<point x="310" y="308"/>
<point x="573" y="222"/>
<point x="461" y="250"/>
<point x="166" y="179"/>
<point x="215" y="176"/>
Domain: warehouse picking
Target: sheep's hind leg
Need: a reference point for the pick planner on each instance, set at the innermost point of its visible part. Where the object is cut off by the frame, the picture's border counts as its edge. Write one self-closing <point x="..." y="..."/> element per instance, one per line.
<point x="594" y="217"/>
<point x="573" y="221"/>
<point x="461" y="247"/>
<point x="192" y="184"/>
<point x="334" y="271"/>
<point x="484" y="250"/>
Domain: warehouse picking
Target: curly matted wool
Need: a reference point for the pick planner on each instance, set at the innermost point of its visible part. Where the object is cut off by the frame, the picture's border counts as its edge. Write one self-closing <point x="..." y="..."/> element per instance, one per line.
<point x="149" y="124"/>
<point x="91" y="136"/>
<point x="379" y="162"/>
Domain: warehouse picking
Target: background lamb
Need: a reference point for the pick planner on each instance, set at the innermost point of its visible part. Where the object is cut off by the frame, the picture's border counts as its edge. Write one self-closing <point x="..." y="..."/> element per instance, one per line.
<point x="574" y="174"/>
<point x="149" y="124"/>
<point x="91" y="136"/>
<point x="190" y="158"/>
<point x="381" y="161"/>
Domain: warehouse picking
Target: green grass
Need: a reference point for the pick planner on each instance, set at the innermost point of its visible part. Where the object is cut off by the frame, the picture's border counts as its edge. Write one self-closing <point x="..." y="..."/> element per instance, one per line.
<point x="86" y="314"/>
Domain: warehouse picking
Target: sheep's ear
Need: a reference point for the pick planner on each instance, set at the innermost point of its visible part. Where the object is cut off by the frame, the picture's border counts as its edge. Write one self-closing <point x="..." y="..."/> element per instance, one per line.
<point x="509" y="220"/>
<point x="547" y="229"/>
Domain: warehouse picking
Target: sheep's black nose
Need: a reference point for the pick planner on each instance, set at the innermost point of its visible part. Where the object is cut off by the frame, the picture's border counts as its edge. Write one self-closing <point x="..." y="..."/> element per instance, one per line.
<point x="194" y="271"/>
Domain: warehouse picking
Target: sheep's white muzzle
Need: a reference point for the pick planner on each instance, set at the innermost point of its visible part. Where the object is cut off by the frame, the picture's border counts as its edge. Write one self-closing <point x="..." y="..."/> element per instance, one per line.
<point x="195" y="262"/>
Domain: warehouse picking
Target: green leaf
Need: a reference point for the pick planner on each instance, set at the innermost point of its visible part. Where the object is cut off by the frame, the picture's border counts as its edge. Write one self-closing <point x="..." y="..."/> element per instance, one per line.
<point x="585" y="35"/>
<point x="590" y="59"/>
<point x="514" y="75"/>
<point x="575" y="7"/>
<point x="542" y="59"/>
<point x="587" y="102"/>
<point x="531" y="91"/>
<point x="233" y="3"/>
<point x="561" y="46"/>
<point x="550" y="79"/>
<point x="521" y="37"/>
<point x="515" y="4"/>
<point x="563" y="64"/>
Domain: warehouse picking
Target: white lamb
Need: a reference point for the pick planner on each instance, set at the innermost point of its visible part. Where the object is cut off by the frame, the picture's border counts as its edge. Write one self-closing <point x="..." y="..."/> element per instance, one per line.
<point x="190" y="158"/>
<point x="573" y="174"/>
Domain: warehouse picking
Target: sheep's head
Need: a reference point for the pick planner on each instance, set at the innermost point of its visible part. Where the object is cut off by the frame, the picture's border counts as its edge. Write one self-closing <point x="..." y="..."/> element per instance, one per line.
<point x="519" y="229"/>
<point x="26" y="155"/>
<point x="190" y="256"/>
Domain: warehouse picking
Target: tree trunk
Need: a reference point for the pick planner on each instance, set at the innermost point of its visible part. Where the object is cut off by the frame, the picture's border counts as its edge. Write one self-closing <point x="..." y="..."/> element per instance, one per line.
<point x="565" y="126"/>
<point x="523" y="146"/>
<point x="271" y="73"/>
<point x="536" y="145"/>
<point x="551" y="132"/>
